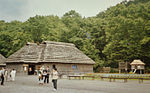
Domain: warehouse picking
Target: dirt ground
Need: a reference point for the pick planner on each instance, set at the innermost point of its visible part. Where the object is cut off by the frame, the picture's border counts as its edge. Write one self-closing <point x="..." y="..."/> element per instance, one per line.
<point x="29" y="84"/>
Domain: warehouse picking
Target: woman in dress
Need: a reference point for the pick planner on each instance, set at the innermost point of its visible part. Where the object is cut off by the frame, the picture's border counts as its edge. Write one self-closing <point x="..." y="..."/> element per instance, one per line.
<point x="13" y="74"/>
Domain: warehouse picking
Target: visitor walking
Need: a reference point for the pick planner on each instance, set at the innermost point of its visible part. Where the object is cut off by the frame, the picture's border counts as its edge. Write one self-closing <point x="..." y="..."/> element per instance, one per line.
<point x="54" y="78"/>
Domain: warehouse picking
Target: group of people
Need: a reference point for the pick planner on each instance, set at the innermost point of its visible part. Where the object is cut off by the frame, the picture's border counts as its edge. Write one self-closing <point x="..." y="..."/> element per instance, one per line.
<point x="44" y="75"/>
<point x="5" y="75"/>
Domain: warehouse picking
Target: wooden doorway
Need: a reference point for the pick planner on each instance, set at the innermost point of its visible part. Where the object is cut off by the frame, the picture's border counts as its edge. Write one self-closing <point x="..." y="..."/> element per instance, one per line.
<point x="31" y="69"/>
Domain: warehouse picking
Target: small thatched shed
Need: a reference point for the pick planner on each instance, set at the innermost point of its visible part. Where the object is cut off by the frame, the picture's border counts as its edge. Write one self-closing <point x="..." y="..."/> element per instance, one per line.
<point x="65" y="56"/>
<point x="2" y="61"/>
<point x="137" y="65"/>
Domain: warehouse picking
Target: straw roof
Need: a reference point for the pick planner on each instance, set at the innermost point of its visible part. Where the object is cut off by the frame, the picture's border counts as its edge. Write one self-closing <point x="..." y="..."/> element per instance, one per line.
<point x="2" y="60"/>
<point x="49" y="51"/>
<point x="137" y="62"/>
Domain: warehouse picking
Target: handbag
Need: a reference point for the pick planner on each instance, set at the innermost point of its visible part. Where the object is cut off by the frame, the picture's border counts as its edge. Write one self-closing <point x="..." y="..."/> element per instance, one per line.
<point x="52" y="80"/>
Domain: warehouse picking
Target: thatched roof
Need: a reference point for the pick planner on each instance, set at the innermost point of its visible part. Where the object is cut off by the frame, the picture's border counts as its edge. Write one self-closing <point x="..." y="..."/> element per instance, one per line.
<point x="2" y="60"/>
<point x="137" y="62"/>
<point x="50" y="51"/>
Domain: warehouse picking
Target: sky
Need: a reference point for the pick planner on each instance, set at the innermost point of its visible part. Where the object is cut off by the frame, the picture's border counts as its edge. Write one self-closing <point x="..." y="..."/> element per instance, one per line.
<point x="22" y="10"/>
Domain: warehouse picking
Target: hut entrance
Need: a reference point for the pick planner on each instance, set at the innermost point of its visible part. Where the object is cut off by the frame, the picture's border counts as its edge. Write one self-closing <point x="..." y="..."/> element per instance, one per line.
<point x="31" y="69"/>
<point x="54" y="66"/>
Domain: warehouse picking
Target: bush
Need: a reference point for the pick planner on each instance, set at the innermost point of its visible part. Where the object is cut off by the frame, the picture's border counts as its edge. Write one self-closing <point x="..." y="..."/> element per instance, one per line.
<point x="114" y="70"/>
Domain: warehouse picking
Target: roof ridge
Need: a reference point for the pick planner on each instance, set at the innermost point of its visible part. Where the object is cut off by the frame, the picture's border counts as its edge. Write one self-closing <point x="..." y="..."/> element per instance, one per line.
<point x="42" y="53"/>
<point x="58" y="43"/>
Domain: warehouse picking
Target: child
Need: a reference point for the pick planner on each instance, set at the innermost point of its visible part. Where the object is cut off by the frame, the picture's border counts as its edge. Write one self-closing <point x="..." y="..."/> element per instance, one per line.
<point x="40" y="79"/>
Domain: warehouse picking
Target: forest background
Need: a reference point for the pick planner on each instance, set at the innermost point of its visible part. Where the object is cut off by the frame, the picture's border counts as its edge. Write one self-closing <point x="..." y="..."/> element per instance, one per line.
<point x="119" y="34"/>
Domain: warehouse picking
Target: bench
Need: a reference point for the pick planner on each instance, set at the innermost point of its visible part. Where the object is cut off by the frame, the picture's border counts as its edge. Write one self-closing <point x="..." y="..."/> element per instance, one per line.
<point x="88" y="77"/>
<point x="75" y="76"/>
<point x="142" y="79"/>
<point x="114" y="78"/>
<point x="80" y="77"/>
<point x="125" y="79"/>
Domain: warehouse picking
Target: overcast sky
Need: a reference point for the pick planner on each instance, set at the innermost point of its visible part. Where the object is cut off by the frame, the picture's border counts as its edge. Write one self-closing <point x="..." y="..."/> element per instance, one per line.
<point x="23" y="9"/>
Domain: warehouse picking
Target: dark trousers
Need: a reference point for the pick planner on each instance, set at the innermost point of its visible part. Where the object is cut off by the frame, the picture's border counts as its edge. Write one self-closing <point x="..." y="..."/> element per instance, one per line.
<point x="55" y="83"/>
<point x="2" y="80"/>
<point x="46" y="79"/>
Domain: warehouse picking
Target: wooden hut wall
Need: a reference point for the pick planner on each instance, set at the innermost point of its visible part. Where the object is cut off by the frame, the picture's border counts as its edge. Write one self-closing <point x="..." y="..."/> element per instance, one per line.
<point x="17" y="67"/>
<point x="71" y="68"/>
<point x="62" y="68"/>
<point x="2" y="66"/>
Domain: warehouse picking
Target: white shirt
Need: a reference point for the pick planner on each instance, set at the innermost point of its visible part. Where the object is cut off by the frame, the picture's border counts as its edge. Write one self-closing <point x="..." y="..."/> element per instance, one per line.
<point x="54" y="75"/>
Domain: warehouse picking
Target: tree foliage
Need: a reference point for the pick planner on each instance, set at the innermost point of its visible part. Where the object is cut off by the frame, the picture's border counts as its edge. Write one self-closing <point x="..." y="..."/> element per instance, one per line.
<point x="121" y="33"/>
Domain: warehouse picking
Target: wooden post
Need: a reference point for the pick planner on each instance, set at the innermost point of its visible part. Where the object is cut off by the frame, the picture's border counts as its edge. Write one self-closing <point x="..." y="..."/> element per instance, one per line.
<point x="83" y="77"/>
<point x="69" y="77"/>
<point x="93" y="77"/>
<point x="119" y="71"/>
<point x="110" y="79"/>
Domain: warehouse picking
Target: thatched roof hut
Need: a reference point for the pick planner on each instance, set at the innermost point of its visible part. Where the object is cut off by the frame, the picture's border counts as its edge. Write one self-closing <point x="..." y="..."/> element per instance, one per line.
<point x="49" y="52"/>
<point x="137" y="62"/>
<point x="2" y="61"/>
<point x="137" y="65"/>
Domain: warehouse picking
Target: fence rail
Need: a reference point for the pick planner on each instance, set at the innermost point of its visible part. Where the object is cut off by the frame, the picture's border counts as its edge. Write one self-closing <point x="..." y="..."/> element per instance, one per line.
<point x="113" y="78"/>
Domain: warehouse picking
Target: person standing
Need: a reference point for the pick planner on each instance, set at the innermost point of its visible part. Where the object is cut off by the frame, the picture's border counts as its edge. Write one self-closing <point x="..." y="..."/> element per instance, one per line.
<point x="6" y="74"/>
<point x="30" y="70"/>
<point x="13" y="74"/>
<point x="47" y="75"/>
<point x="54" y="78"/>
<point x="40" y="78"/>
<point x="2" y="76"/>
